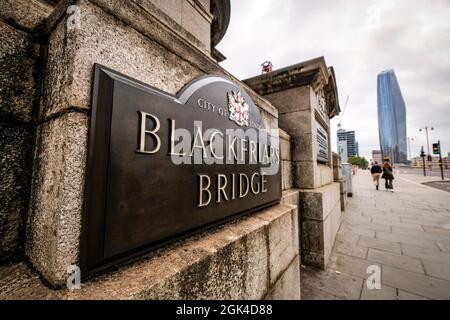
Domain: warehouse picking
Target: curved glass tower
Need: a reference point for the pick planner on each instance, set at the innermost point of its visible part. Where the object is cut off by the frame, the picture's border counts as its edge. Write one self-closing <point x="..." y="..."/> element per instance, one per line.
<point x="391" y="118"/>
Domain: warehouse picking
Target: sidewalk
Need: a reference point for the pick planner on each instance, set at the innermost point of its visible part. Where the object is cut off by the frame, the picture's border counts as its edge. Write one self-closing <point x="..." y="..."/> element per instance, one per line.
<point x="406" y="233"/>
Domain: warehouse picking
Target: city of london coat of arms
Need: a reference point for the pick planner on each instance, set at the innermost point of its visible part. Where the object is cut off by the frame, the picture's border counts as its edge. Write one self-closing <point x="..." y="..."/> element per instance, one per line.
<point x="238" y="108"/>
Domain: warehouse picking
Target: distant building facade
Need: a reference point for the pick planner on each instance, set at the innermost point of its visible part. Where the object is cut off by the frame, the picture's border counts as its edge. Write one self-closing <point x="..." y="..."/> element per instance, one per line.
<point x="391" y="118"/>
<point x="348" y="137"/>
<point x="417" y="162"/>
<point x="377" y="156"/>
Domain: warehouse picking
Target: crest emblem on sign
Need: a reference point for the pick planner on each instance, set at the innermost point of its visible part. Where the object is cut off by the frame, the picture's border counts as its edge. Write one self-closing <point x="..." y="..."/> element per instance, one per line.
<point x="238" y="108"/>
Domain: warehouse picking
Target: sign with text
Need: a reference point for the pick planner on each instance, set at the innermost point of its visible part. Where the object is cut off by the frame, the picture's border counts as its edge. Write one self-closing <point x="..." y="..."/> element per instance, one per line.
<point x="322" y="143"/>
<point x="162" y="166"/>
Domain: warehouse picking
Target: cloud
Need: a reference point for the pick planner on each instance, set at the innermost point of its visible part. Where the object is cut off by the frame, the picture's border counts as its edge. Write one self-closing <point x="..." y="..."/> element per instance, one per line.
<point x="360" y="39"/>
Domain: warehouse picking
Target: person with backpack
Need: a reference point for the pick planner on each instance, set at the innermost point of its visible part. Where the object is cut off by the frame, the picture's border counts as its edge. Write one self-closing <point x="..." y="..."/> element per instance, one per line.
<point x="388" y="175"/>
<point x="376" y="171"/>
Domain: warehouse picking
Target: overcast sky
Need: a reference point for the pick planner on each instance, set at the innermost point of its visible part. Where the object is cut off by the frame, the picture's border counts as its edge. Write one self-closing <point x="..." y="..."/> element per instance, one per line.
<point x="359" y="38"/>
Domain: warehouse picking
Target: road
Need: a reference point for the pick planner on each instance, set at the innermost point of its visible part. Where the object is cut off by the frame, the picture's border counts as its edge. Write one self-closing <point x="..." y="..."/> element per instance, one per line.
<point x="441" y="185"/>
<point x="419" y="171"/>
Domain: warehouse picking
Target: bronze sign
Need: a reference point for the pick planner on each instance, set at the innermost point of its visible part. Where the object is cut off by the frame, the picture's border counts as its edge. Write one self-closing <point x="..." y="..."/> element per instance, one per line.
<point x="322" y="143"/>
<point x="161" y="166"/>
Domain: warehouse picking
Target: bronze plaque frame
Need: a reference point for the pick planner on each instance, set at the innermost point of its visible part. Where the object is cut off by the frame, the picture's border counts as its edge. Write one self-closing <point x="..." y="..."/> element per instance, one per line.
<point x="138" y="202"/>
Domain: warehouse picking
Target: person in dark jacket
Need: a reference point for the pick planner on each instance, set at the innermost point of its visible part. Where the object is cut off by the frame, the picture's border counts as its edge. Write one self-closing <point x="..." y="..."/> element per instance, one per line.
<point x="388" y="175"/>
<point x="376" y="173"/>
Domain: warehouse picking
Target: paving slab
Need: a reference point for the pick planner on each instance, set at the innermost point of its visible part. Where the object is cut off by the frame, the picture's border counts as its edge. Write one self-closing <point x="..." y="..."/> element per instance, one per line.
<point x="412" y="240"/>
<point x="384" y="293"/>
<point x="415" y="283"/>
<point x="395" y="260"/>
<point x="406" y="233"/>
<point x="437" y="269"/>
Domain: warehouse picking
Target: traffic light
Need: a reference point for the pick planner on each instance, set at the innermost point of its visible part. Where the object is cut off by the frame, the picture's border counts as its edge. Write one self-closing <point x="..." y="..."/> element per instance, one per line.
<point x="435" y="148"/>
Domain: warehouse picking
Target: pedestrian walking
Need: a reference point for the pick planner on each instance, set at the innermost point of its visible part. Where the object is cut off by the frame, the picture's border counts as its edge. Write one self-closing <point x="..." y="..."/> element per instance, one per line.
<point x="376" y="171"/>
<point x="388" y="175"/>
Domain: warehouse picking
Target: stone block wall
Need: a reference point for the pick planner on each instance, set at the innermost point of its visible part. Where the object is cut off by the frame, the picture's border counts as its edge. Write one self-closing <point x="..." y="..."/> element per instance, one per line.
<point x="19" y="86"/>
<point x="339" y="178"/>
<point x="298" y="93"/>
<point x="320" y="221"/>
<point x="287" y="176"/>
<point x="255" y="257"/>
<point x="337" y="167"/>
<point x="192" y="19"/>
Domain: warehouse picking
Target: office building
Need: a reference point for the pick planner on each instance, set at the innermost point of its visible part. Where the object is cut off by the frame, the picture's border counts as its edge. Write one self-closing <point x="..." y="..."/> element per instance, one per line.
<point x="391" y="118"/>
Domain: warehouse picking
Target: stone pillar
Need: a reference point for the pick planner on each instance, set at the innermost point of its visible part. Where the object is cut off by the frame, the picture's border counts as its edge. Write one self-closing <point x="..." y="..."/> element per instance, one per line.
<point x="339" y="178"/>
<point x="255" y="257"/>
<point x="19" y="76"/>
<point x="306" y="97"/>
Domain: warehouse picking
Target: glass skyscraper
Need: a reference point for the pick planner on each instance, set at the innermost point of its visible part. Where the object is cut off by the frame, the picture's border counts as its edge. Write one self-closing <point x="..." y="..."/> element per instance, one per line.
<point x="391" y="118"/>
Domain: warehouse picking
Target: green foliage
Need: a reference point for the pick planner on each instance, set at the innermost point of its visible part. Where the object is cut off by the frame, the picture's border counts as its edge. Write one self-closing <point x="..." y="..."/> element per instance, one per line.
<point x="358" y="161"/>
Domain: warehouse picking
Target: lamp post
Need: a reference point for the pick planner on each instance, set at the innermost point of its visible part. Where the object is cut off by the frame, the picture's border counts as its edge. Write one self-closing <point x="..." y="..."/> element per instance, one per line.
<point x="429" y="158"/>
<point x="422" y="155"/>
<point x="409" y="146"/>
<point x="426" y="132"/>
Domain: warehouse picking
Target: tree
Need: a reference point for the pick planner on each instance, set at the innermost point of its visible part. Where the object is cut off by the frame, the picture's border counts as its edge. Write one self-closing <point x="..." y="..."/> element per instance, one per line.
<point x="358" y="161"/>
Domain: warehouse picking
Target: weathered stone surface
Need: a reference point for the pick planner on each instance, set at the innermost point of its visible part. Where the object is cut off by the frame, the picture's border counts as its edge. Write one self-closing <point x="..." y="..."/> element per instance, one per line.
<point x="27" y="14"/>
<point x="403" y="295"/>
<point x="57" y="195"/>
<point x="318" y="237"/>
<point x="343" y="192"/>
<point x="416" y="283"/>
<point x="283" y="239"/>
<point x="337" y="167"/>
<point x="323" y="175"/>
<point x="313" y="236"/>
<point x="287" y="288"/>
<point x="72" y="54"/>
<point x="303" y="147"/>
<point x="343" y="286"/>
<point x="291" y="197"/>
<point x="395" y="260"/>
<point x="15" y="173"/>
<point x="100" y="39"/>
<point x="404" y="239"/>
<point x="318" y="203"/>
<point x="296" y="123"/>
<point x="290" y="100"/>
<point x="227" y="262"/>
<point x="285" y="146"/>
<point x="18" y="282"/>
<point x="286" y="175"/>
<point x="350" y="265"/>
<point x="17" y="85"/>
<point x="425" y="253"/>
<point x="199" y="24"/>
<point x="188" y="18"/>
<point x="147" y="24"/>
<point x="379" y="244"/>
<point x="303" y="174"/>
<point x="437" y="269"/>
<point x="384" y="293"/>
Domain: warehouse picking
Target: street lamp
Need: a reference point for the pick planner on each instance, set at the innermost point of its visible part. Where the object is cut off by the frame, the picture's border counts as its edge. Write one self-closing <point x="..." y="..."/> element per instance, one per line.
<point x="409" y="146"/>
<point x="426" y="132"/>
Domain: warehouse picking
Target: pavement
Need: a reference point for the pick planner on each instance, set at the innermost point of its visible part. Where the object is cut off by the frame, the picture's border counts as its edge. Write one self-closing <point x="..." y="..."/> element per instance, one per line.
<point x="436" y="172"/>
<point x="406" y="233"/>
